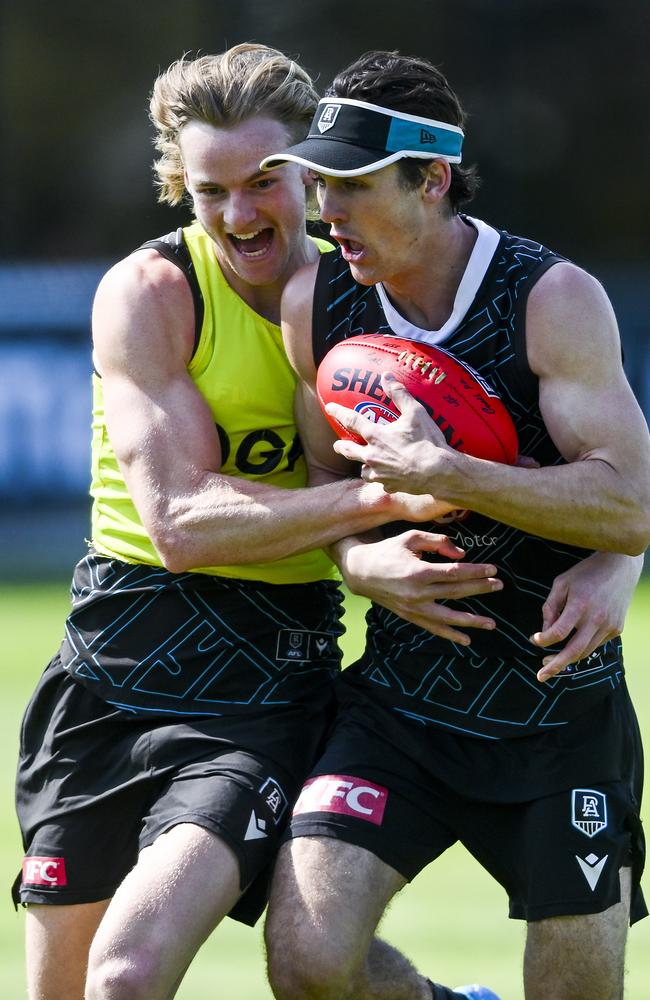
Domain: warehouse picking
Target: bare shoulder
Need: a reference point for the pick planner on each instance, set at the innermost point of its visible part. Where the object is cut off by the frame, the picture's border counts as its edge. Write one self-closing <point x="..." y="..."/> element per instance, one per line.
<point x="297" y="306"/>
<point x="142" y="276"/>
<point x="566" y="283"/>
<point x="569" y="317"/>
<point x="143" y="303"/>
<point x="299" y="292"/>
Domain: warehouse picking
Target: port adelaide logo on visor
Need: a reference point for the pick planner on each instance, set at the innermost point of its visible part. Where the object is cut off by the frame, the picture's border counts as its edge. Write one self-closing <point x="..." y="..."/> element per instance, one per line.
<point x="328" y="117"/>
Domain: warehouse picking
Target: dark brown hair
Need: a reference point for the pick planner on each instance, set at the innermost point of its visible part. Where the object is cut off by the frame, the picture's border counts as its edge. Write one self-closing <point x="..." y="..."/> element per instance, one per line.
<point x="413" y="86"/>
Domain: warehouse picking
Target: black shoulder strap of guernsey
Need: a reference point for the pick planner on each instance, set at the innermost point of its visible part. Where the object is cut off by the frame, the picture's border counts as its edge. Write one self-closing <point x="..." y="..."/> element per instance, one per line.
<point x="174" y="248"/>
<point x="341" y="307"/>
<point x="328" y="266"/>
<point x="529" y="382"/>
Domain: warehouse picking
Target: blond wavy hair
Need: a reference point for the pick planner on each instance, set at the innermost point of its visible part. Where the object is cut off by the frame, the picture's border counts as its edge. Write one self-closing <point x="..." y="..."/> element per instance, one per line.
<point x="225" y="90"/>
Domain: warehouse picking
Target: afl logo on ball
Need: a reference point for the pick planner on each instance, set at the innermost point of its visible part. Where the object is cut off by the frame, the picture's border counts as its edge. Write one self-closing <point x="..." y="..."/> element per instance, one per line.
<point x="377" y="413"/>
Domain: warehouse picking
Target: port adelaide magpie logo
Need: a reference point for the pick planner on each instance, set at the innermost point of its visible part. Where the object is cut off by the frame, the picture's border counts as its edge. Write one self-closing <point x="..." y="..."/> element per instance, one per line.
<point x="588" y="811"/>
<point x="329" y="114"/>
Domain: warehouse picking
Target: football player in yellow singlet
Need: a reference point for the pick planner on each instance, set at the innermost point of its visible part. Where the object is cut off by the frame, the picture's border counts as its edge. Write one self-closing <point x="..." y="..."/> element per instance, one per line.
<point x="194" y="681"/>
<point x="172" y="730"/>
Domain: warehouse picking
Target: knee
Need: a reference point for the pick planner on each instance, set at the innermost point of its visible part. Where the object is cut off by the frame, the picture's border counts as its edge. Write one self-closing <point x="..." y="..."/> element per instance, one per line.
<point x="575" y="958"/>
<point x="295" y="981"/>
<point x="121" y="978"/>
<point x="302" y="968"/>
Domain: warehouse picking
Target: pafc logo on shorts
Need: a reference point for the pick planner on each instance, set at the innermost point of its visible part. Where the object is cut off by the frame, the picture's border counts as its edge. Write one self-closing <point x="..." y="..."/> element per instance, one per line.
<point x="328" y="116"/>
<point x="588" y="811"/>
<point x="274" y="797"/>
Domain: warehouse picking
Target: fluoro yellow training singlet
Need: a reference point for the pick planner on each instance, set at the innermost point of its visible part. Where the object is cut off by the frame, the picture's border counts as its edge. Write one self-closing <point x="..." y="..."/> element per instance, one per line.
<point x="241" y="370"/>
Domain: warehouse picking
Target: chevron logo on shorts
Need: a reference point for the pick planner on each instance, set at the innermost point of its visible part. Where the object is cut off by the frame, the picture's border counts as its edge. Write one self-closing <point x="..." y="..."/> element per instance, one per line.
<point x="256" y="828"/>
<point x="592" y="868"/>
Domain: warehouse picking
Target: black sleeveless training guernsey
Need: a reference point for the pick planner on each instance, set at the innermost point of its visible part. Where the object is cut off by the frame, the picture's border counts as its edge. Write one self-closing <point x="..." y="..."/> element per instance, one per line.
<point x="490" y="688"/>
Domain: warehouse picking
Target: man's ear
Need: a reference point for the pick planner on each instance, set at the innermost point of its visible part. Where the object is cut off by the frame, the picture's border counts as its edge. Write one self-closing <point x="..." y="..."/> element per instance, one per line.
<point x="437" y="180"/>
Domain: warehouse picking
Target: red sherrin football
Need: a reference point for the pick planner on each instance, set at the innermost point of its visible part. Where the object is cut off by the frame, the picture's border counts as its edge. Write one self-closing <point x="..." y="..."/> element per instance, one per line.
<point x="468" y="411"/>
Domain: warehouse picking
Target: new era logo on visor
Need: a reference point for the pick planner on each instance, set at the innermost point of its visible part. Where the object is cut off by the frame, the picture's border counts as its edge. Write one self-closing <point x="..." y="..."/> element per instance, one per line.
<point x="343" y="794"/>
<point x="426" y="136"/>
<point x="44" y="871"/>
<point x="328" y="117"/>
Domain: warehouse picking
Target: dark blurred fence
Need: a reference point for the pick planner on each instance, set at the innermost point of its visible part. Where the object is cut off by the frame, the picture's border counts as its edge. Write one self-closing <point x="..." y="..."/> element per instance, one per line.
<point x="45" y="407"/>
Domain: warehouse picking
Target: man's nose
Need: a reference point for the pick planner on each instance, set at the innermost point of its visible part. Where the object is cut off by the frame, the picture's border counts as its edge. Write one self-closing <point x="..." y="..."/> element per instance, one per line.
<point x="330" y="206"/>
<point x="239" y="212"/>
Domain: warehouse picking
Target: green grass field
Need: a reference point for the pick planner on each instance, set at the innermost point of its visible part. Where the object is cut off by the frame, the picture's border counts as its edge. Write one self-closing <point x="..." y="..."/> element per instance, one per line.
<point x="451" y="922"/>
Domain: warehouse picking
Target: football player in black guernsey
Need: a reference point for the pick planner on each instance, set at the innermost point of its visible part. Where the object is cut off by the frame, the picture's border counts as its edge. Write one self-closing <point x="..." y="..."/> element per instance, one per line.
<point x="531" y="760"/>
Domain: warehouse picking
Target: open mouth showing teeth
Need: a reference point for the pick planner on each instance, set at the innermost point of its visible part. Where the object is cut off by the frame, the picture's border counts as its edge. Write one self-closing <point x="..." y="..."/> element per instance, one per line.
<point x="252" y="244"/>
<point x="351" y="248"/>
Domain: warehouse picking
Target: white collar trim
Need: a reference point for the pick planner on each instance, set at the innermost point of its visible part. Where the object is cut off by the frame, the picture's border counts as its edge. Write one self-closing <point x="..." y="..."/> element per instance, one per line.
<point x="477" y="265"/>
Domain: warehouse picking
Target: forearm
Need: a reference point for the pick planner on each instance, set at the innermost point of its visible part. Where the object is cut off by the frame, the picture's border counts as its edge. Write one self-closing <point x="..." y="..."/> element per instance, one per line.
<point x="584" y="503"/>
<point x="339" y="548"/>
<point x="229" y="521"/>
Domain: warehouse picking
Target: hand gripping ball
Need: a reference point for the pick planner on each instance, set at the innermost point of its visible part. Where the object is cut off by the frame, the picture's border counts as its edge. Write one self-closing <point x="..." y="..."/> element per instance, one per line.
<point x="465" y="407"/>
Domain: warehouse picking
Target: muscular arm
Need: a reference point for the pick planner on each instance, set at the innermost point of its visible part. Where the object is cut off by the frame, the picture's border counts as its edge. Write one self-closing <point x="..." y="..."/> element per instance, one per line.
<point x="167" y="445"/>
<point x="601" y="498"/>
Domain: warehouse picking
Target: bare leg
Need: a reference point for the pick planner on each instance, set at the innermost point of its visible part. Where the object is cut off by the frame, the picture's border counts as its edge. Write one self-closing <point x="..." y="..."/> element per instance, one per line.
<point x="578" y="958"/>
<point x="57" y="942"/>
<point x="326" y="902"/>
<point x="180" y="889"/>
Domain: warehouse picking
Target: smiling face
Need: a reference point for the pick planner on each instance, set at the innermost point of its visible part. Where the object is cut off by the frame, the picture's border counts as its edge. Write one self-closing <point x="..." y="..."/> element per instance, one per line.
<point x="256" y="220"/>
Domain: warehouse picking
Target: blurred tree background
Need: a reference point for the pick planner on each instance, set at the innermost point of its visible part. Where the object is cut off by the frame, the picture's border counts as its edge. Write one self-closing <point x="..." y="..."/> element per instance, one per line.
<point x="557" y="90"/>
<point x="557" y="93"/>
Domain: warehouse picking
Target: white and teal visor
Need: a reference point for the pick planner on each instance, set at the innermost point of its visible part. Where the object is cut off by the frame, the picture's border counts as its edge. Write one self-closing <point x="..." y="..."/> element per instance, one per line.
<point x="348" y="138"/>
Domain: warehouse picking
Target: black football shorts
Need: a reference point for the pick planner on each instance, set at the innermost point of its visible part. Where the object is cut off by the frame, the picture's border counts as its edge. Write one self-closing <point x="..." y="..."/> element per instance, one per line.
<point x="556" y="851"/>
<point x="96" y="784"/>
